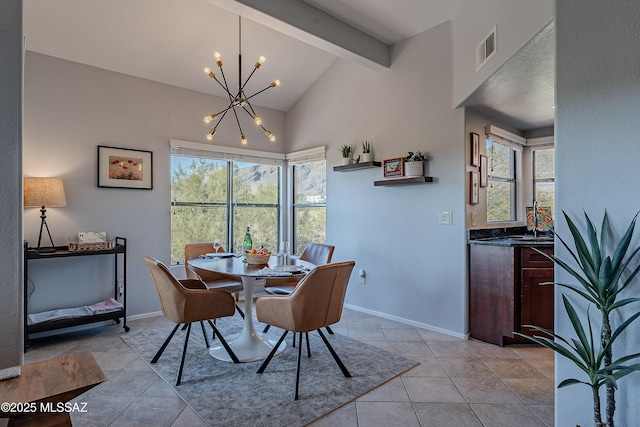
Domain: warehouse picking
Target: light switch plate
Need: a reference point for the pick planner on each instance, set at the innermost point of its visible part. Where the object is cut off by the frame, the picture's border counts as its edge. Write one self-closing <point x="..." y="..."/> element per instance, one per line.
<point x="446" y="218"/>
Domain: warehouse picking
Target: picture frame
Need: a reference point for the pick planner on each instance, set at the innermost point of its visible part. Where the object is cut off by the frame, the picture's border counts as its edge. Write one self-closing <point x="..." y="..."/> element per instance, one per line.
<point x="474" y="188"/>
<point x="393" y="167"/>
<point x="125" y="168"/>
<point x="475" y="149"/>
<point x="483" y="171"/>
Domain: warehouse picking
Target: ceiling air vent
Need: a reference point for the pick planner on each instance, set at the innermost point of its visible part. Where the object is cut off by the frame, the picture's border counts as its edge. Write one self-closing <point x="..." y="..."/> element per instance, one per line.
<point x="486" y="49"/>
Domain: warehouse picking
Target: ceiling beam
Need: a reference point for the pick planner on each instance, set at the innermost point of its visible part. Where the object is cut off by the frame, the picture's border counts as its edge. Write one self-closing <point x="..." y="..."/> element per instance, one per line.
<point x="311" y="25"/>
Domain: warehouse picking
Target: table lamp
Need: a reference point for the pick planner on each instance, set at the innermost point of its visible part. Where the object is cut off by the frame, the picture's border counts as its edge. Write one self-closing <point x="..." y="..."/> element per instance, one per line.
<point x="42" y="193"/>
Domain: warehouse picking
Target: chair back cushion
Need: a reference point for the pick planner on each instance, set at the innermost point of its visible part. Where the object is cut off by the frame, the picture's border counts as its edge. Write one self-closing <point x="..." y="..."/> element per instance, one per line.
<point x="170" y="291"/>
<point x="316" y="302"/>
<point x="317" y="253"/>
<point x="184" y="305"/>
<point x="194" y="250"/>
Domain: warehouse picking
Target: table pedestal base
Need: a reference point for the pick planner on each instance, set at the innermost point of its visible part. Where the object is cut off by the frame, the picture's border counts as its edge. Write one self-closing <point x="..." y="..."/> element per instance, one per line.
<point x="248" y="345"/>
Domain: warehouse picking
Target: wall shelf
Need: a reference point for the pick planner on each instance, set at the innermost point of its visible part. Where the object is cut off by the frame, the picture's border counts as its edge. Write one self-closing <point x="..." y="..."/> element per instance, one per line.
<point x="404" y="181"/>
<point x="356" y="166"/>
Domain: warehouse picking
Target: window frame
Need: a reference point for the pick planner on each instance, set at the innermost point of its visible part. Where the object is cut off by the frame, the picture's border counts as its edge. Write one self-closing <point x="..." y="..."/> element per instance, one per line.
<point x="512" y="180"/>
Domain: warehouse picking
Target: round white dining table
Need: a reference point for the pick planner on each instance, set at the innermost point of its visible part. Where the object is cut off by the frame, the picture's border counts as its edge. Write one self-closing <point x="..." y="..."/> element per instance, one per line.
<point x="249" y="345"/>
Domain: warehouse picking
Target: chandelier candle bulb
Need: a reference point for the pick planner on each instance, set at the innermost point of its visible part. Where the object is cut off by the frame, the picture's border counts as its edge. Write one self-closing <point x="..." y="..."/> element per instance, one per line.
<point x="258" y="120"/>
<point x="209" y="73"/>
<point x="260" y="61"/>
<point x="218" y="60"/>
<point x="275" y="83"/>
<point x="243" y="138"/>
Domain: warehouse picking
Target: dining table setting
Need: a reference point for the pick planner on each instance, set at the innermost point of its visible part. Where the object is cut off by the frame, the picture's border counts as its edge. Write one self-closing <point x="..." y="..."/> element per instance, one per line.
<point x="250" y="345"/>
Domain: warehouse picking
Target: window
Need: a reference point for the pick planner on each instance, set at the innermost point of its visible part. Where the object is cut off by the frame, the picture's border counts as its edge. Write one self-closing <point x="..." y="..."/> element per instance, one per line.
<point x="544" y="187"/>
<point x="216" y="195"/>
<point x="501" y="189"/>
<point x="309" y="204"/>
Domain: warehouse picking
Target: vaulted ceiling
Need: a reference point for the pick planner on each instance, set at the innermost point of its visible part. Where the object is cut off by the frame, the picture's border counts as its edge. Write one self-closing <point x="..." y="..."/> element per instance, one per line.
<point x="170" y="41"/>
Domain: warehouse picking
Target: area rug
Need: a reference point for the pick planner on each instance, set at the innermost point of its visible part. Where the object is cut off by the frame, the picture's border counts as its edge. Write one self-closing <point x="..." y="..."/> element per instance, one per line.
<point x="231" y="394"/>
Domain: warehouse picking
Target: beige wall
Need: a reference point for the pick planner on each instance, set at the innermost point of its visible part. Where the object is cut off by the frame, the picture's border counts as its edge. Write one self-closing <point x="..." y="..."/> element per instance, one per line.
<point x="415" y="267"/>
<point x="68" y="111"/>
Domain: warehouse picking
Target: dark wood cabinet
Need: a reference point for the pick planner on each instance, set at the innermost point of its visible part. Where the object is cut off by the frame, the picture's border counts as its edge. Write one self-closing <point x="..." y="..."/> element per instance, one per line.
<point x="505" y="292"/>
<point x="536" y="298"/>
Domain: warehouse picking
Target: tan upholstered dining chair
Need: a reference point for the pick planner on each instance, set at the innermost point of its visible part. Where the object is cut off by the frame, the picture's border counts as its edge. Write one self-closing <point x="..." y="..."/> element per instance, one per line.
<point x="316" y="254"/>
<point x="212" y="279"/>
<point x="315" y="303"/>
<point x="187" y="301"/>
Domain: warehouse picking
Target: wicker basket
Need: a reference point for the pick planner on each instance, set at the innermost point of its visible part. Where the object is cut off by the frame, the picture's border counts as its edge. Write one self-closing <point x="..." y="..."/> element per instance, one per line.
<point x="258" y="258"/>
<point x="95" y="246"/>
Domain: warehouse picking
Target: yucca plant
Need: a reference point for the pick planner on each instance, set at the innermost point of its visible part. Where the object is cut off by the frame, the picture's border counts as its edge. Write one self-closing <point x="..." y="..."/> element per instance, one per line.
<point x="601" y="282"/>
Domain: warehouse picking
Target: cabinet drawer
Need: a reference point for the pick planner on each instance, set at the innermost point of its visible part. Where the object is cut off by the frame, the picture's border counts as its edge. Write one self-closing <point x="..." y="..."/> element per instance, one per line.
<point x="531" y="258"/>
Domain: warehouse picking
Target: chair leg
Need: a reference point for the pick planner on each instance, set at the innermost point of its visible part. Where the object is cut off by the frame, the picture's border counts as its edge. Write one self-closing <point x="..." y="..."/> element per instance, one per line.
<point x="266" y="328"/>
<point x="164" y="345"/>
<point x="294" y="340"/>
<point x="343" y="368"/>
<point x="272" y="353"/>
<point x="204" y="334"/>
<point x="329" y="330"/>
<point x="240" y="312"/>
<point x="184" y="353"/>
<point x="184" y="326"/>
<point x="224" y="343"/>
<point x="298" y="369"/>
<point x="306" y="334"/>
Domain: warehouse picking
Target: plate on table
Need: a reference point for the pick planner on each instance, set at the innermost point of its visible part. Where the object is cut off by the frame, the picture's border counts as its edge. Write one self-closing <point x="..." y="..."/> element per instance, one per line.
<point x="219" y="255"/>
<point x="290" y="268"/>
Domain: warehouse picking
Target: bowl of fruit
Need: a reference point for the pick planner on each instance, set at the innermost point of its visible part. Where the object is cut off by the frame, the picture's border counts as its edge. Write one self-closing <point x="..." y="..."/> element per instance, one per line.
<point x="258" y="256"/>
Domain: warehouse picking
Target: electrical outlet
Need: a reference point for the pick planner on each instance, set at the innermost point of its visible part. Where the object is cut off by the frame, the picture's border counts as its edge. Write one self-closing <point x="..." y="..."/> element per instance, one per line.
<point x="120" y="284"/>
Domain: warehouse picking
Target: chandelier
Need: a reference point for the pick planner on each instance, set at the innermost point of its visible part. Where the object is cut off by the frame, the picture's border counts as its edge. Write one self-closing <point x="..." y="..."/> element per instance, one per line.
<point x="239" y="100"/>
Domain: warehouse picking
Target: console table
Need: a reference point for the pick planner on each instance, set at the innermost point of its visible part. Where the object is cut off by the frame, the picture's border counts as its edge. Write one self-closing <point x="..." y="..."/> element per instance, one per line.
<point x="31" y="255"/>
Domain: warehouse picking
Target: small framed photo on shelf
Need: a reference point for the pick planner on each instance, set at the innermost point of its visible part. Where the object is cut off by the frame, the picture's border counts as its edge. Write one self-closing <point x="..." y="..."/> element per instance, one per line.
<point x="474" y="188"/>
<point x="483" y="171"/>
<point x="393" y="167"/>
<point x="475" y="149"/>
<point x="125" y="168"/>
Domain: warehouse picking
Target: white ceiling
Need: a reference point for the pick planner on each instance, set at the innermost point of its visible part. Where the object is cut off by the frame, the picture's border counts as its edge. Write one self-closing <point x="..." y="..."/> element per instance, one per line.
<point x="171" y="41"/>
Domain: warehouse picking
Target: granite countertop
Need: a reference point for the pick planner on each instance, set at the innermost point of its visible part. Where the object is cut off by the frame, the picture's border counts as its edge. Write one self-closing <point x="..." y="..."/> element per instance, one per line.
<point x="513" y="236"/>
<point x="513" y="241"/>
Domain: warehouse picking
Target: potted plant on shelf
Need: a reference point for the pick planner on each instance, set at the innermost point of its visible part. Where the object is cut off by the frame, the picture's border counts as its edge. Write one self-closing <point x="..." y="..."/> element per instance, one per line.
<point x="366" y="151"/>
<point x="414" y="163"/>
<point x="602" y="276"/>
<point x="347" y="152"/>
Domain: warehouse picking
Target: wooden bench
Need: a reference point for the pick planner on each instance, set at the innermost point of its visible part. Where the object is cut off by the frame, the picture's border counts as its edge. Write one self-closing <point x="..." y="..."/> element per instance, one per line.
<point x="43" y="389"/>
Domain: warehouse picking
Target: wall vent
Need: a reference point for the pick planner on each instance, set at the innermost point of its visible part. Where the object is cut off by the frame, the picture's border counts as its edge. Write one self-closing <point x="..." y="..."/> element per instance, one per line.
<point x="486" y="49"/>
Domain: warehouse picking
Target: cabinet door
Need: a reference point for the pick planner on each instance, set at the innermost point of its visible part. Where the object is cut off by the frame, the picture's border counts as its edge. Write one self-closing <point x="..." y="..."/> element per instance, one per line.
<point x="537" y="299"/>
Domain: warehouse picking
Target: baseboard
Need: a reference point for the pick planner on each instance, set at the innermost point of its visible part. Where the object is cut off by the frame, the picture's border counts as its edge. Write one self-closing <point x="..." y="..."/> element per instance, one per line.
<point x="408" y="322"/>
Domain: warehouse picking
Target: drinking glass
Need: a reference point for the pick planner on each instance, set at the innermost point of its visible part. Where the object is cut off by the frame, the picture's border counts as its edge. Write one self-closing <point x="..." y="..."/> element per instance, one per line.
<point x="284" y="248"/>
<point x="216" y="246"/>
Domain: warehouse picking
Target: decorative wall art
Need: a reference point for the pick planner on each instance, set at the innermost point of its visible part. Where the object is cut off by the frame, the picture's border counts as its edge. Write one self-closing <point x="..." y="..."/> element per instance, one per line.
<point x="475" y="149"/>
<point x="474" y="196"/>
<point x="125" y="168"/>
<point x="483" y="171"/>
<point x="393" y="167"/>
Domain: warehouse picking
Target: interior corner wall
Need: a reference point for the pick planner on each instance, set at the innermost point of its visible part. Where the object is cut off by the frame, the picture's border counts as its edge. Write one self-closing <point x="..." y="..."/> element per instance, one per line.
<point x="597" y="150"/>
<point x="70" y="109"/>
<point x="415" y="268"/>
<point x="517" y="22"/>
<point x="11" y="43"/>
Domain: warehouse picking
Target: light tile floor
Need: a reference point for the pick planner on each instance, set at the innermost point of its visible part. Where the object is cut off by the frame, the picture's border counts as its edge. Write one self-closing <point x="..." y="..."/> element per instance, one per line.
<point x="458" y="383"/>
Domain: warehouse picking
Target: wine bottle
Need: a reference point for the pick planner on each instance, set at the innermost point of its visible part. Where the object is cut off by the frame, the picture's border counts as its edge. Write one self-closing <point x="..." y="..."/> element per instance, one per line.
<point x="248" y="243"/>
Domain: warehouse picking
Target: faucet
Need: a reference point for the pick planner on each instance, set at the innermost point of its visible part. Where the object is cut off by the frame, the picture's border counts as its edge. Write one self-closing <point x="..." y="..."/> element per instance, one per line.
<point x="535" y="218"/>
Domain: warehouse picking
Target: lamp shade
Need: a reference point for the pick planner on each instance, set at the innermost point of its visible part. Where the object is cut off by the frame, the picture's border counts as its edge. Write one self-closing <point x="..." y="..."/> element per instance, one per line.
<point x="47" y="192"/>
